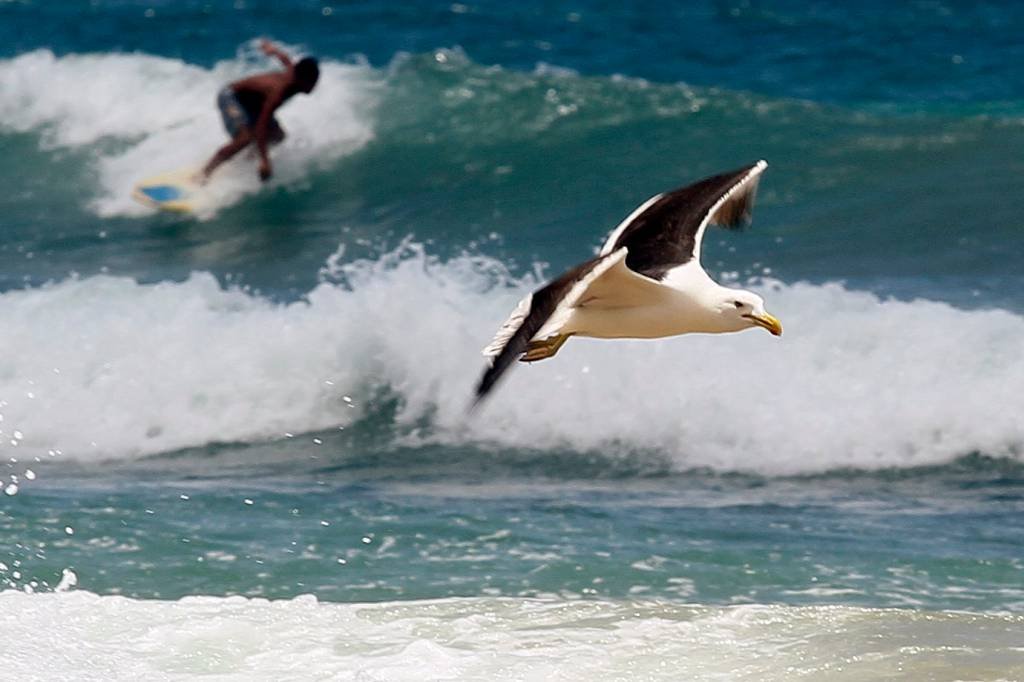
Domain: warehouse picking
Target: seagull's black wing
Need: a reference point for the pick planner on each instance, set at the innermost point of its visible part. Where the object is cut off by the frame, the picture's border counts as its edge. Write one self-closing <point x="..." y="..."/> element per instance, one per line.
<point x="665" y="231"/>
<point x="533" y="312"/>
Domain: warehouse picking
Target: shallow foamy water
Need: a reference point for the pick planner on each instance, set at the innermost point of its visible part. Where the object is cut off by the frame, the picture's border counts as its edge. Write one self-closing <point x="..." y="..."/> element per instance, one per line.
<point x="495" y="639"/>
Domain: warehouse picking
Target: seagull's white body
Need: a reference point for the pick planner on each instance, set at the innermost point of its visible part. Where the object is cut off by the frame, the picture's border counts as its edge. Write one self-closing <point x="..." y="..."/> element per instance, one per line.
<point x="646" y="282"/>
<point x="641" y="308"/>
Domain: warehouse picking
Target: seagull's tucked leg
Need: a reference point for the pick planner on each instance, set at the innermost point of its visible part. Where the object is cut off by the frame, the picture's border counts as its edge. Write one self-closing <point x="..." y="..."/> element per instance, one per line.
<point x="544" y="348"/>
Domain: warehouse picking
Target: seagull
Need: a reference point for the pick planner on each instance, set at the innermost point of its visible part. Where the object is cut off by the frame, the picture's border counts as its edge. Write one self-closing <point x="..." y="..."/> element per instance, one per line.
<point x="645" y="283"/>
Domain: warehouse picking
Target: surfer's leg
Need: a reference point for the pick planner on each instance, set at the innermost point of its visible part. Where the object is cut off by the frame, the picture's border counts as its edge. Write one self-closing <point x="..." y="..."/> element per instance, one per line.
<point x="237" y="125"/>
<point x="240" y="142"/>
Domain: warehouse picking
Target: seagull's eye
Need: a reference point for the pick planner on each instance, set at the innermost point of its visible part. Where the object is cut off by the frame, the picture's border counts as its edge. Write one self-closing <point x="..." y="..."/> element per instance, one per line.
<point x="737" y="304"/>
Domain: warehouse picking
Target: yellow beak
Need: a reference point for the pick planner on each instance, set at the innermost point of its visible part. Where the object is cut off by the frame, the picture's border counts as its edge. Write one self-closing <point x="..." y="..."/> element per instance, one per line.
<point x="769" y="322"/>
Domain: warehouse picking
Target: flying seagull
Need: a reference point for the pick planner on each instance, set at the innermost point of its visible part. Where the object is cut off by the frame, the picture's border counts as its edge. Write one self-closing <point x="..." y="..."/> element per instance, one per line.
<point x="645" y="283"/>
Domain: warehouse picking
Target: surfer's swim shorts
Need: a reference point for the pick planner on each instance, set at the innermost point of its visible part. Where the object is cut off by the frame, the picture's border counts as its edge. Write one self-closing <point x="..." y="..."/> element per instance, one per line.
<point x="236" y="117"/>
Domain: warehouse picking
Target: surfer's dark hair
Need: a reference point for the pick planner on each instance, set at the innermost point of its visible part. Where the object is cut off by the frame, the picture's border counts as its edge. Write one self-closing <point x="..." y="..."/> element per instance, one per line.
<point x="307" y="71"/>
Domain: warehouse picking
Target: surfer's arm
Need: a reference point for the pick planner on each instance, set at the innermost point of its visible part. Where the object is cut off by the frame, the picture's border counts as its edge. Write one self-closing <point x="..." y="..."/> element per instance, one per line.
<point x="270" y="104"/>
<point x="271" y="51"/>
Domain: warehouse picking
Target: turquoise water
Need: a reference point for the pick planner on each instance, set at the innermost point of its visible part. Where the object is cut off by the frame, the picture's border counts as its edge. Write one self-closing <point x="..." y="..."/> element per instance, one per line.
<point x="269" y="400"/>
<point x="428" y="524"/>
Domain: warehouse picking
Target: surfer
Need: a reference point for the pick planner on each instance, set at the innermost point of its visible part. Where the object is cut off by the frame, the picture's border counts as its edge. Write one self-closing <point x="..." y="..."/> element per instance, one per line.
<point x="248" y="105"/>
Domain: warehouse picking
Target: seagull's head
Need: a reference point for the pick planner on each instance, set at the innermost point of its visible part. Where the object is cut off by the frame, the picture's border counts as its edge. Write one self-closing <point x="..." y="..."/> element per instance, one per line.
<point x="743" y="309"/>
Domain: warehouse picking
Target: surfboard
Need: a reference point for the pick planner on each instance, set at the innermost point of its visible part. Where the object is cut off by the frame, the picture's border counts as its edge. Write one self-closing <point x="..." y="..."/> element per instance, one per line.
<point x="175" y="191"/>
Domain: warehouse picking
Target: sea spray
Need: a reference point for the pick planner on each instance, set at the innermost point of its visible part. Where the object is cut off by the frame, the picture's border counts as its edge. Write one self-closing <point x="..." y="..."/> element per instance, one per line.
<point x="105" y="367"/>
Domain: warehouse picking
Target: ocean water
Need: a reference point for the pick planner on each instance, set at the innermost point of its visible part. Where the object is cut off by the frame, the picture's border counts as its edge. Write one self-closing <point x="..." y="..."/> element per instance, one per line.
<point x="237" y="444"/>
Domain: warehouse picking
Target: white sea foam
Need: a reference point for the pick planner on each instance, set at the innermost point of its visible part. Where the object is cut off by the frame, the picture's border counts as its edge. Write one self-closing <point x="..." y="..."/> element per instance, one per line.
<point x="108" y="368"/>
<point x="83" y="636"/>
<point x="141" y="115"/>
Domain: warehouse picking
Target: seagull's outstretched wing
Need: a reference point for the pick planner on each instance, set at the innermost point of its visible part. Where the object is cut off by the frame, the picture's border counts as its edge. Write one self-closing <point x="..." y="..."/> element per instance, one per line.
<point x="602" y="281"/>
<point x="665" y="231"/>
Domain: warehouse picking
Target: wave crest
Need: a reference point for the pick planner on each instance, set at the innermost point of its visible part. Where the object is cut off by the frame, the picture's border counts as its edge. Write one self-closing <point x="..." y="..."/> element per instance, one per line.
<point x="108" y="368"/>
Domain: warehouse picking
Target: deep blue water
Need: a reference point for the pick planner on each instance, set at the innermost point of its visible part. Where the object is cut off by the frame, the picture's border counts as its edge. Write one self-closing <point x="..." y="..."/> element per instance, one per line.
<point x="918" y="54"/>
<point x="233" y="404"/>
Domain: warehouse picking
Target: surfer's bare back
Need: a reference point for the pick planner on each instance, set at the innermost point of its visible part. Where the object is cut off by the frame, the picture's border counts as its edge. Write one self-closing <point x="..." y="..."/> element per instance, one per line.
<point x="248" y="105"/>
